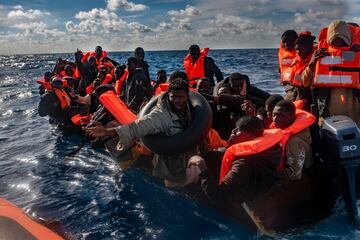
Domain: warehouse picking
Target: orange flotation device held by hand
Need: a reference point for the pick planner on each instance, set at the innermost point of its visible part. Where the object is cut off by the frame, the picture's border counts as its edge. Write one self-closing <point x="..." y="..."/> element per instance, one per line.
<point x="117" y="108"/>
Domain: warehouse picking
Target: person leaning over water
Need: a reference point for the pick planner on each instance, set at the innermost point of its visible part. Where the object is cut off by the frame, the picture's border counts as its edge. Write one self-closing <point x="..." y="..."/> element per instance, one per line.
<point x="171" y="116"/>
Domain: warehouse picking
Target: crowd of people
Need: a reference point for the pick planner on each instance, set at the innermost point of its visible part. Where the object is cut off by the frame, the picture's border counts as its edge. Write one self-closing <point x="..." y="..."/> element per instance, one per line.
<point x="258" y="138"/>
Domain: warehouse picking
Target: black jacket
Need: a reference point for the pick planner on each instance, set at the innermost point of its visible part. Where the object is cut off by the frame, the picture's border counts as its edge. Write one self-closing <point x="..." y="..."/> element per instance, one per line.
<point x="248" y="177"/>
<point x="211" y="69"/>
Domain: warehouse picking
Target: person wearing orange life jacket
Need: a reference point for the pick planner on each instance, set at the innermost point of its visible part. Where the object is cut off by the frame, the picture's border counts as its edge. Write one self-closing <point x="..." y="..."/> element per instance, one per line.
<point x="248" y="167"/>
<point x="297" y="152"/>
<point x="99" y="54"/>
<point x="198" y="65"/>
<point x="88" y="71"/>
<point x="293" y="75"/>
<point x="335" y="78"/>
<point x="103" y="77"/>
<point x="55" y="102"/>
<point x="45" y="82"/>
<point x="287" y="52"/>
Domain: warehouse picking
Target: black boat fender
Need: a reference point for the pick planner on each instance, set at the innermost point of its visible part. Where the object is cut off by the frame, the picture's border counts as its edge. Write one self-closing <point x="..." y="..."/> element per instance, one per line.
<point x="193" y="135"/>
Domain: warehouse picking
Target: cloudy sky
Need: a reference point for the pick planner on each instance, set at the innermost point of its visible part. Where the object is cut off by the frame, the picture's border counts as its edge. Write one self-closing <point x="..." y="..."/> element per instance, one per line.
<point x="42" y="26"/>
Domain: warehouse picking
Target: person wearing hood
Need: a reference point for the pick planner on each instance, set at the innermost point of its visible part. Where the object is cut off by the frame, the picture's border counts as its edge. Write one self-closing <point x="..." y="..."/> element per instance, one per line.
<point x="333" y="98"/>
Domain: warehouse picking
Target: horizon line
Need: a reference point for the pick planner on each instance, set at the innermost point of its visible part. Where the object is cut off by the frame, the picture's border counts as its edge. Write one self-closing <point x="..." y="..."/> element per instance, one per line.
<point x="126" y="51"/>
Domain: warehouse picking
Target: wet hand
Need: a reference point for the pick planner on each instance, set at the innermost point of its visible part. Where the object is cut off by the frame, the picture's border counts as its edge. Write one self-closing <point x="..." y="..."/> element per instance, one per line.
<point x="197" y="161"/>
<point x="96" y="130"/>
<point x="319" y="53"/>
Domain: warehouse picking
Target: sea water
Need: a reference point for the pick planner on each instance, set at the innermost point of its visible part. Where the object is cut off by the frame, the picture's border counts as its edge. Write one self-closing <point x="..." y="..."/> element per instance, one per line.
<point x="87" y="194"/>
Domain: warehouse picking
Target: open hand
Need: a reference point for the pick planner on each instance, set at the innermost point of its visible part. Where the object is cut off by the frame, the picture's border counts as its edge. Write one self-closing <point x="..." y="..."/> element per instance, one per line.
<point x="96" y="130"/>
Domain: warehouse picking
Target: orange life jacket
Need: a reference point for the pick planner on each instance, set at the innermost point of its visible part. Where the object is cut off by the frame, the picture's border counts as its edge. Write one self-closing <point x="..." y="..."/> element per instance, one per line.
<point x="89" y="89"/>
<point x="119" y="82"/>
<point x="12" y="212"/>
<point x="342" y="68"/>
<point x="98" y="61"/>
<point x="196" y="70"/>
<point x="302" y="121"/>
<point x="76" y="74"/>
<point x="117" y="108"/>
<point x="60" y="93"/>
<point x="63" y="98"/>
<point x="46" y="85"/>
<point x="286" y="58"/>
<point x="292" y="74"/>
<point x="214" y="140"/>
<point x="162" y="87"/>
<point x="257" y="145"/>
<point x="79" y="119"/>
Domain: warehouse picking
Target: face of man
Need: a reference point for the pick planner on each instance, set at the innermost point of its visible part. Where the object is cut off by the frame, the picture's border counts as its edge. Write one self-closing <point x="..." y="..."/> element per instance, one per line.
<point x="98" y="52"/>
<point x="178" y="100"/>
<point x="118" y="73"/>
<point x="194" y="53"/>
<point x="140" y="54"/>
<point x="237" y="85"/>
<point x="302" y="51"/>
<point x="69" y="70"/>
<point x="282" y="119"/>
<point x="203" y="86"/>
<point x="238" y="136"/>
<point x="92" y="61"/>
<point x="161" y="77"/>
<point x="287" y="44"/>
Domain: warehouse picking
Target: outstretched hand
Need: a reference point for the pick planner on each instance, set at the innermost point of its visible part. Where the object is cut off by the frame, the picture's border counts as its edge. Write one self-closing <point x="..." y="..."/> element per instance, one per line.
<point x="96" y="130"/>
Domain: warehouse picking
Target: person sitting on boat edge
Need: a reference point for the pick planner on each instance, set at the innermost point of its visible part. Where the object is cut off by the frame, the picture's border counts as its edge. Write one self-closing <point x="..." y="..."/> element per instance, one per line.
<point x="298" y="152"/>
<point x="198" y="65"/>
<point x="244" y="175"/>
<point x="171" y="115"/>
